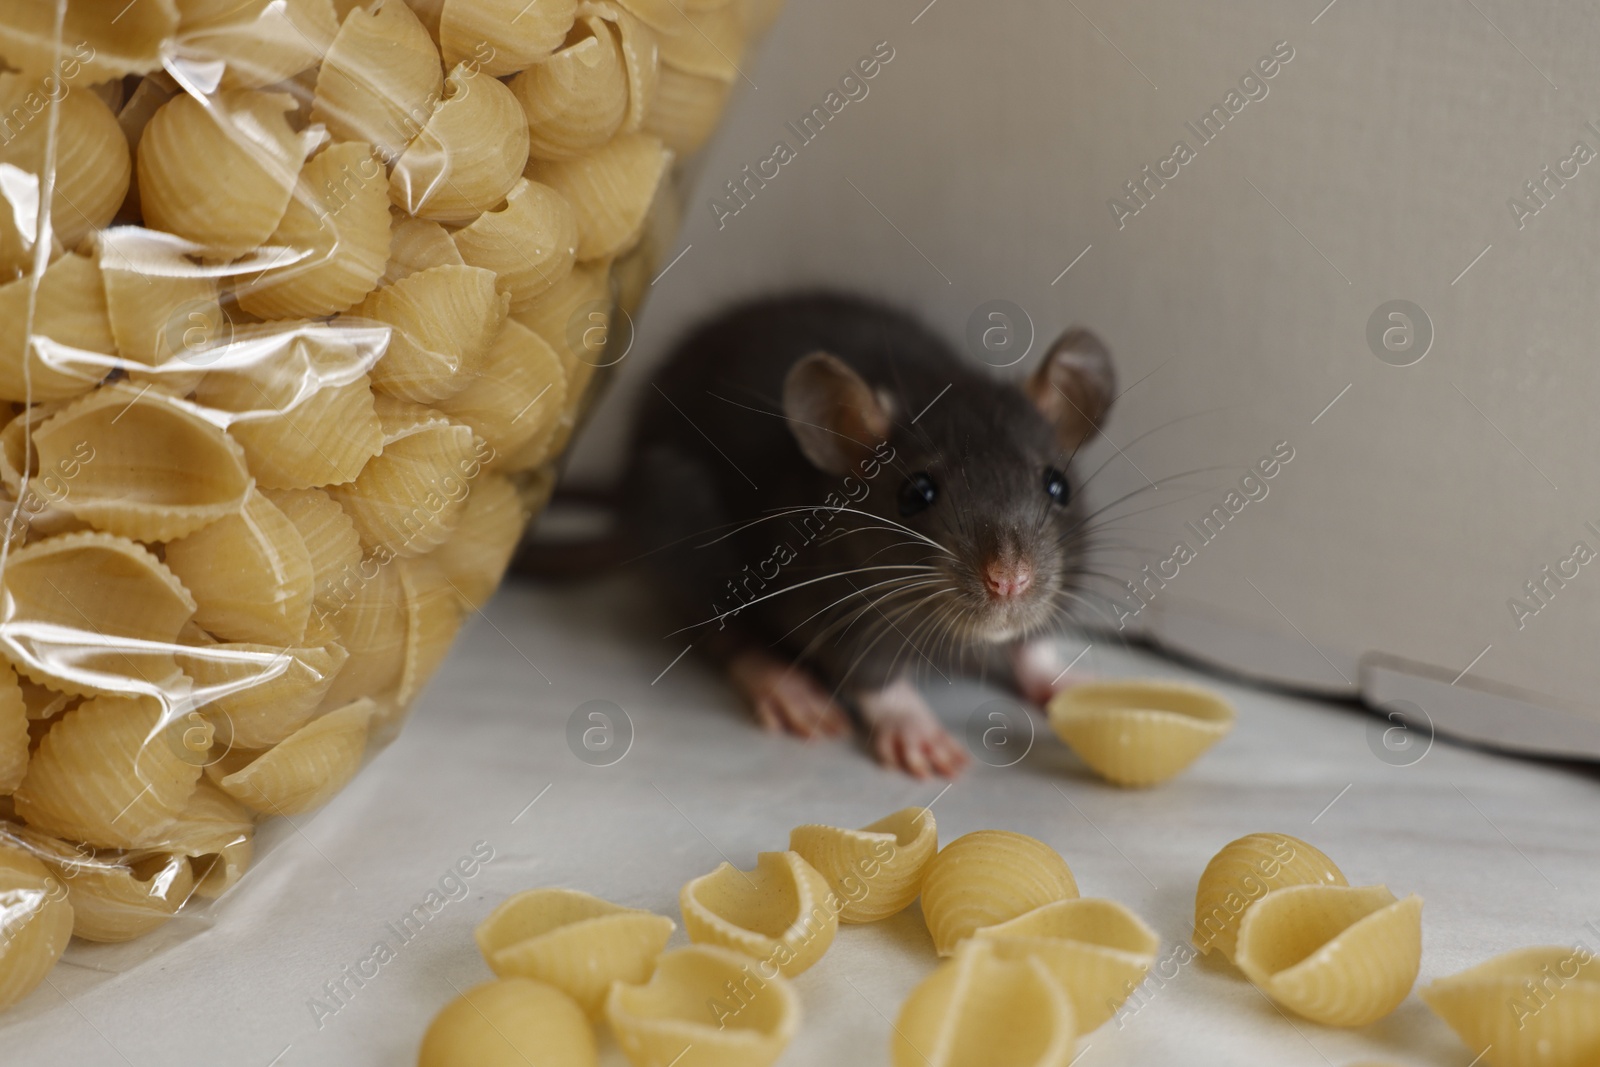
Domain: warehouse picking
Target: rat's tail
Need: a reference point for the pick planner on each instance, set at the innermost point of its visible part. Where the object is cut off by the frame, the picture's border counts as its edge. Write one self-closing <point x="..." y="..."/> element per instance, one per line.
<point x="577" y="536"/>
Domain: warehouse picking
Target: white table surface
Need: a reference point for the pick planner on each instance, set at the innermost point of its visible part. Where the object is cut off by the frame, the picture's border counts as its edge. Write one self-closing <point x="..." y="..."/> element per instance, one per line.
<point x="1501" y="850"/>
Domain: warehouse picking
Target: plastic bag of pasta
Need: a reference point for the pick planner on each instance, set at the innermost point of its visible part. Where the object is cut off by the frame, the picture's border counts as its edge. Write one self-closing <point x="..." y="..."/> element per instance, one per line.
<point x="299" y="303"/>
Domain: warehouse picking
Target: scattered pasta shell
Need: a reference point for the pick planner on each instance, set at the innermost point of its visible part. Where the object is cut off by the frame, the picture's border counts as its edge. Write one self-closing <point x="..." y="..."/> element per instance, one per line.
<point x="442" y="322"/>
<point x="686" y="107"/>
<point x="1532" y="1007"/>
<point x="576" y="942"/>
<point x="159" y="468"/>
<point x="217" y="834"/>
<point x="67" y="348"/>
<point x="518" y="395"/>
<point x="417" y="244"/>
<point x="380" y="78"/>
<point x="104" y="45"/>
<point x="1098" y="951"/>
<point x="257" y="694"/>
<point x="13" y="731"/>
<point x="91" y="163"/>
<point x="305" y="769"/>
<point x="476" y="556"/>
<point x="330" y="539"/>
<point x="1337" y="955"/>
<point x="63" y="588"/>
<point x="336" y="232"/>
<point x="987" y="877"/>
<point x="220" y="172"/>
<point x="781" y="913"/>
<point x="512" y="1022"/>
<point x="468" y="155"/>
<point x="981" y="1010"/>
<point x="409" y="498"/>
<point x="1139" y="733"/>
<point x="35" y="925"/>
<point x="576" y="100"/>
<point x="503" y="36"/>
<point x="261" y="43"/>
<point x="876" y="870"/>
<point x="118" y="896"/>
<point x="529" y="243"/>
<point x="111" y="772"/>
<point x="610" y="190"/>
<point x="705" y="1006"/>
<point x="433" y="615"/>
<point x="164" y="311"/>
<point x="1246" y="870"/>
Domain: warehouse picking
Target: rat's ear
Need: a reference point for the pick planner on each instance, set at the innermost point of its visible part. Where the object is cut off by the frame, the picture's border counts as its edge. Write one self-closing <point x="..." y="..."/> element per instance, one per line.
<point x="833" y="412"/>
<point x="1074" y="386"/>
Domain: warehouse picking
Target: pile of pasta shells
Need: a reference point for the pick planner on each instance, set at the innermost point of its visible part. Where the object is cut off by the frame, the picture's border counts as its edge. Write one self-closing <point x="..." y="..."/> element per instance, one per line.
<point x="300" y="301"/>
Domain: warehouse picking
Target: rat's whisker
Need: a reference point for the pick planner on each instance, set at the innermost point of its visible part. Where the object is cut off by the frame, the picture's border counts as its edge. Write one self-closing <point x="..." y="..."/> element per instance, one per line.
<point x="800" y="585"/>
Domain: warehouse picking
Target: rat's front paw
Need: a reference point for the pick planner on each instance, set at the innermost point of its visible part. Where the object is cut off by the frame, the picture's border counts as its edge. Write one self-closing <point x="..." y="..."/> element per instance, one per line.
<point x="906" y="734"/>
<point x="785" y="696"/>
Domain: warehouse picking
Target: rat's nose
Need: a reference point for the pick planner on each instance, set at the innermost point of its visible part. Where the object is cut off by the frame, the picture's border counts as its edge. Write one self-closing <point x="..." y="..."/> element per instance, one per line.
<point x="1004" y="579"/>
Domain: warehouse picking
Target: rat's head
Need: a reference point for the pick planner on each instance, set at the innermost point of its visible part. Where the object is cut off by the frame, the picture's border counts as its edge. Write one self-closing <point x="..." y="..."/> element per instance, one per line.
<point x="979" y="484"/>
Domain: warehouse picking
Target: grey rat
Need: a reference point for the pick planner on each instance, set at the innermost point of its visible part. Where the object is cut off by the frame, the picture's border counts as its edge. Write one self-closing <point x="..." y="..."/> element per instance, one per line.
<point x="831" y="499"/>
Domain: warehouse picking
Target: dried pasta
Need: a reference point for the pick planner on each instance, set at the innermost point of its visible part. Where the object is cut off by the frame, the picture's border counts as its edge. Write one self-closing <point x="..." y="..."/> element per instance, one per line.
<point x="686" y="108"/>
<point x="433" y="615"/>
<point x="477" y="553"/>
<point x="987" y="877"/>
<point x="503" y="36"/>
<point x="13" y="731"/>
<point x="380" y="78"/>
<point x="1140" y="733"/>
<point x="217" y="835"/>
<point x="511" y="1022"/>
<point x="92" y="164"/>
<point x="442" y="322"/>
<point x="467" y="156"/>
<point x="1532" y="1007"/>
<point x="116" y="896"/>
<point x="370" y="629"/>
<point x="35" y="925"/>
<point x="576" y="942"/>
<point x="705" y="1006"/>
<point x="417" y="244"/>
<point x="61" y="356"/>
<point x="782" y="913"/>
<point x="329" y="536"/>
<point x="256" y="695"/>
<point x="519" y="394"/>
<point x="576" y="100"/>
<point x="877" y="870"/>
<point x="610" y="190"/>
<point x="1244" y="871"/>
<point x="530" y="243"/>
<point x="708" y="42"/>
<point x="306" y="768"/>
<point x="260" y="43"/>
<point x="165" y="315"/>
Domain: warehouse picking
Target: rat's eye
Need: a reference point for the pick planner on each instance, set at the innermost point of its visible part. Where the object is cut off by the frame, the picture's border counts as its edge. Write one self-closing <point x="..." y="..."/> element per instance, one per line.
<point x="1055" y="484"/>
<point x="917" y="494"/>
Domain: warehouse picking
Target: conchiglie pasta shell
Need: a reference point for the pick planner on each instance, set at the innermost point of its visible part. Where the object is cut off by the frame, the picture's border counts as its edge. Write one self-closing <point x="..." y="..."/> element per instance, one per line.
<point x="503" y="36"/>
<point x="782" y="913"/>
<point x="90" y="613"/>
<point x="34" y="510"/>
<point x="1139" y="733"/>
<point x="576" y="100"/>
<point x="257" y="695"/>
<point x="610" y="190"/>
<point x="518" y="395"/>
<point x="981" y="1010"/>
<point x="329" y="535"/>
<point x="469" y="154"/>
<point x="202" y="178"/>
<point x="164" y="313"/>
<point x="1244" y="871"/>
<point x="370" y="619"/>
<point x="707" y="42"/>
<point x="417" y="244"/>
<point x="876" y="870"/>
<point x="109" y="773"/>
<point x="13" y="731"/>
<point x="308" y="767"/>
<point x="103" y="45"/>
<point x="156" y="470"/>
<point x="476" y="556"/>
<point x="529" y="243"/>
<point x="67" y="349"/>
<point x="337" y="227"/>
<point x="640" y="57"/>
<point x="666" y="1020"/>
<point x="442" y="322"/>
<point x="261" y="42"/>
<point x="576" y="942"/>
<point x="119" y="896"/>
<point x="1098" y="951"/>
<point x="92" y="164"/>
<point x="1533" y="1007"/>
<point x="509" y="1023"/>
<point x="561" y="316"/>
<point x="380" y="78"/>
<point x="433" y="615"/>
<point x="1337" y="955"/>
<point x="408" y="499"/>
<point x="987" y="877"/>
<point x="217" y="834"/>
<point x="36" y="924"/>
<point x="686" y="108"/>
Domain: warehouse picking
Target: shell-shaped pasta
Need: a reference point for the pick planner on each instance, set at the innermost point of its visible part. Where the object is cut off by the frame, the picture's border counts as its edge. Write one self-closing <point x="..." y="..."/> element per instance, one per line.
<point x="161" y="308"/>
<point x="442" y="322"/>
<point x="220" y="172"/>
<point x="306" y="768"/>
<point x="367" y="613"/>
<point x="518" y="395"/>
<point x="1139" y="733"/>
<point x="91" y="613"/>
<point x="409" y="498"/>
<point x="687" y="1016"/>
<point x="70" y="330"/>
<point x="380" y="78"/>
<point x="111" y="773"/>
<point x="610" y="190"/>
<point x="155" y="468"/>
<point x="640" y="57"/>
<point x="433" y="615"/>
<point x="576" y="942"/>
<point x="1337" y="955"/>
<point x="1243" y="872"/>
<point x="1097" y="949"/>
<point x="876" y="870"/>
<point x="417" y="244"/>
<point x="1532" y="1007"/>
<point x="561" y="316"/>
<point x="503" y="36"/>
<point x="103" y="44"/>
<point x="982" y="1010"/>
<point x="261" y="41"/>
<point x="782" y="913"/>
<point x="529" y="243"/>
<point x="249" y="573"/>
<point x="329" y="535"/>
<point x="686" y="108"/>
<point x="509" y="1023"/>
<point x="476" y="555"/>
<point x="987" y="877"/>
<point x="35" y="925"/>
<point x="576" y="100"/>
<point x="336" y="231"/>
<point x="217" y="834"/>
<point x="469" y="154"/>
<point x="709" y="42"/>
<point x="13" y="731"/>
<point x="120" y="897"/>
<point x="257" y="695"/>
<point x="92" y="164"/>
